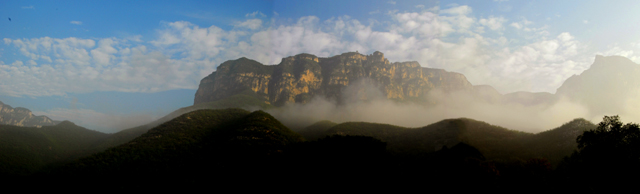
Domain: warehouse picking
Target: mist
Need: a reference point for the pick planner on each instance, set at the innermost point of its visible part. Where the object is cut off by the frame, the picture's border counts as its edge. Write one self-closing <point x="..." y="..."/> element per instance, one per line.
<point x="103" y="122"/>
<point x="364" y="102"/>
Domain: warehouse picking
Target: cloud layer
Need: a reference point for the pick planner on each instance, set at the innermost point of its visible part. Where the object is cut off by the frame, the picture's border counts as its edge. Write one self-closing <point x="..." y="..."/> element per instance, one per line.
<point x="182" y="53"/>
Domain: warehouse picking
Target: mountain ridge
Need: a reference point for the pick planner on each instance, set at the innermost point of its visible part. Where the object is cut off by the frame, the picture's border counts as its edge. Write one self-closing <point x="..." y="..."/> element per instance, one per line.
<point x="23" y="117"/>
<point x="296" y="79"/>
<point x="299" y="78"/>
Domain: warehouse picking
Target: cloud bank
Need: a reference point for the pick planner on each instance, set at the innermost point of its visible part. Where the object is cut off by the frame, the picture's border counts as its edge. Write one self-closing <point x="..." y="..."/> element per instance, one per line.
<point x="182" y="53"/>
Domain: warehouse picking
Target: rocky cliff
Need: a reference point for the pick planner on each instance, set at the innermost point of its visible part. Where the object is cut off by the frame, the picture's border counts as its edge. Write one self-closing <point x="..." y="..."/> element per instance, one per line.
<point x="22" y="117"/>
<point x="298" y="78"/>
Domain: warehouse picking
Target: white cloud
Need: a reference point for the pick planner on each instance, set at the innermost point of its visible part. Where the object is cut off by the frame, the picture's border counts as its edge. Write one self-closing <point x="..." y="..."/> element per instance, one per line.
<point x="494" y="23"/>
<point x="539" y="66"/>
<point x="458" y="18"/>
<point x="255" y="13"/>
<point x="28" y="7"/>
<point x="457" y="10"/>
<point x="195" y="42"/>
<point x="182" y="53"/>
<point x="585" y="21"/>
<point x="136" y="38"/>
<point x="516" y="25"/>
<point x="524" y="25"/>
<point x="426" y="24"/>
<point x="391" y="2"/>
<point x="76" y="22"/>
<point x="420" y="6"/>
<point x="629" y="51"/>
<point x="250" y="24"/>
<point x="105" y="52"/>
<point x="59" y="66"/>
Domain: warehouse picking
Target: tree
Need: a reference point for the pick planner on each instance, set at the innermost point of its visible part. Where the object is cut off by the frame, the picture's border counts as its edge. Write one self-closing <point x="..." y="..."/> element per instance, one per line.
<point x="608" y="155"/>
<point x="611" y="141"/>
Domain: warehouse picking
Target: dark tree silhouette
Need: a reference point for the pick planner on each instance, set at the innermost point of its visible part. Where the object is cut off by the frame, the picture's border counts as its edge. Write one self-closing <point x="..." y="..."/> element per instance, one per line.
<point x="611" y="140"/>
<point x="606" y="156"/>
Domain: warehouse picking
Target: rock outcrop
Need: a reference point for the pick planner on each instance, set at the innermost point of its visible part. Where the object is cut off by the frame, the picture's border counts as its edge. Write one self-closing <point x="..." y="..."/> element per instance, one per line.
<point x="298" y="78"/>
<point x="22" y="117"/>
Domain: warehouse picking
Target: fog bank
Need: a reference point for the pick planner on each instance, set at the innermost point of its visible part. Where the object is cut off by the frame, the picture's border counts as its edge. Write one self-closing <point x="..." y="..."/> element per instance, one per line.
<point x="364" y="102"/>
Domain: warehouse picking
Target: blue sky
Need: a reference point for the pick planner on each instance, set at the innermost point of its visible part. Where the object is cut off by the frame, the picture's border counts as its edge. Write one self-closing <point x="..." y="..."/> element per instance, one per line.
<point x="110" y="65"/>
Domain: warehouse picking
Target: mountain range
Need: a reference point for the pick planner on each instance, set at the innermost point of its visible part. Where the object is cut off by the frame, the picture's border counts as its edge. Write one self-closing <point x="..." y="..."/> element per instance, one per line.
<point x="609" y="86"/>
<point x="229" y="141"/>
<point x="22" y="117"/>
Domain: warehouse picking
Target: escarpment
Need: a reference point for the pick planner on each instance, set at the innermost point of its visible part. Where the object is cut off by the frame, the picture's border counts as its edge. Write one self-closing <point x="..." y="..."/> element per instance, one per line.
<point x="297" y="79"/>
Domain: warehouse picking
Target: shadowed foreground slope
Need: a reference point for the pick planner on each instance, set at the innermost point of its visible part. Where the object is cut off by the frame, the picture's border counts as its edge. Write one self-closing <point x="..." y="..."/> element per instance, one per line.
<point x="246" y="100"/>
<point x="496" y="143"/>
<point x="25" y="150"/>
<point x="201" y="142"/>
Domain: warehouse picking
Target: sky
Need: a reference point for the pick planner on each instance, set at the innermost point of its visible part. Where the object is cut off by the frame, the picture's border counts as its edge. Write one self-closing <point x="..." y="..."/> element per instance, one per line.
<point x="109" y="65"/>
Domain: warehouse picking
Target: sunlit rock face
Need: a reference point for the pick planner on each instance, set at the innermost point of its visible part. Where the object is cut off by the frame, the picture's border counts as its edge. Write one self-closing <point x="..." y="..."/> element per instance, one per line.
<point x="22" y="117"/>
<point x="297" y="79"/>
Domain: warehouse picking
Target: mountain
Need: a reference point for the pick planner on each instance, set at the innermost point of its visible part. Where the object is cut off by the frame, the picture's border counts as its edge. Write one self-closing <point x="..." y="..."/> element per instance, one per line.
<point x="605" y="88"/>
<point x="246" y="100"/>
<point x="299" y="78"/>
<point x="22" y="117"/>
<point x="182" y="149"/>
<point x="610" y="85"/>
<point x="25" y="150"/>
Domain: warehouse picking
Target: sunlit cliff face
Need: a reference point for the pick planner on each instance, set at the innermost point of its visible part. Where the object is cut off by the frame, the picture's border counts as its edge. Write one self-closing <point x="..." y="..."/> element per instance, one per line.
<point x="297" y="79"/>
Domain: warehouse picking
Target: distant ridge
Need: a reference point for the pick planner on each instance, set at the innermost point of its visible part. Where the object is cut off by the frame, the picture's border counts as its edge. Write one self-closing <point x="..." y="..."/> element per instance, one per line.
<point x="22" y="117"/>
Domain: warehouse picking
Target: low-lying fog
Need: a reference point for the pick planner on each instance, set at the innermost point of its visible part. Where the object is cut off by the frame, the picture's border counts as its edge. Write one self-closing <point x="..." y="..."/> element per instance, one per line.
<point x="364" y="102"/>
